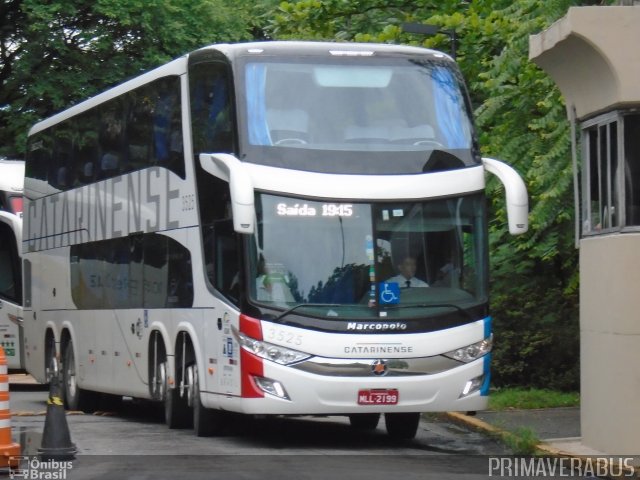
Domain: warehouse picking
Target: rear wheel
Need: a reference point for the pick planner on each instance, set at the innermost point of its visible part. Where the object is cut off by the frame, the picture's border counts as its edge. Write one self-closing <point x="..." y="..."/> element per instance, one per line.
<point x="364" y="421"/>
<point x="75" y="398"/>
<point x="402" y="426"/>
<point x="176" y="410"/>
<point x="51" y="366"/>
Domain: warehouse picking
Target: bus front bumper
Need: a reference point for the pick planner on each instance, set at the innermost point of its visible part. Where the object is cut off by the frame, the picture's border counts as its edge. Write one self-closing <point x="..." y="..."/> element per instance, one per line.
<point x="297" y="392"/>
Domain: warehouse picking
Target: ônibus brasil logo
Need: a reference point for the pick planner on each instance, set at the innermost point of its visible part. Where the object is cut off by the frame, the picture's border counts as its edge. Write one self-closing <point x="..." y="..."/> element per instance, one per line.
<point x="33" y="468"/>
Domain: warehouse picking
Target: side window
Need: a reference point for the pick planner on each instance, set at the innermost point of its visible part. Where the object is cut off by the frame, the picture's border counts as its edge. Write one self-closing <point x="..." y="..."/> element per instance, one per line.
<point x="167" y="124"/>
<point x="212" y="119"/>
<point x="219" y="239"/>
<point x="87" y="277"/>
<point x="167" y="273"/>
<point x="141" y="271"/>
<point x="611" y="169"/>
<point x="59" y="175"/>
<point x="179" y="280"/>
<point x="155" y="271"/>
<point x="226" y="274"/>
<point x="111" y="139"/>
<point x="601" y="154"/>
<point x="86" y="148"/>
<point x="211" y="109"/>
<point x="39" y="153"/>
<point x="116" y="255"/>
<point x="632" y="168"/>
<point x="139" y="132"/>
<point x="10" y="280"/>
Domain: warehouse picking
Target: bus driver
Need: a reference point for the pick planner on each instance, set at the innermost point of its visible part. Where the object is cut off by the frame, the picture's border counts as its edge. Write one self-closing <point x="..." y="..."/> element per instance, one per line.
<point x="406" y="278"/>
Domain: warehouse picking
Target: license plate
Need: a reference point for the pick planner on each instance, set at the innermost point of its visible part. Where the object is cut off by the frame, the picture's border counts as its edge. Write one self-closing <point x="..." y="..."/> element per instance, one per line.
<point x="378" y="396"/>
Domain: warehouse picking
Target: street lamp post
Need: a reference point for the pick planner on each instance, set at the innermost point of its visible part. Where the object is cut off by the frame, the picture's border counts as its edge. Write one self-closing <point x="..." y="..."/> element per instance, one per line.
<point x="425" y="29"/>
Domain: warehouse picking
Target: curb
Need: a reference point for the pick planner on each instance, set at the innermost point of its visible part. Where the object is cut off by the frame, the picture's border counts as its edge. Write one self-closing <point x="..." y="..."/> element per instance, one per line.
<point x="478" y="424"/>
<point x="542" y="447"/>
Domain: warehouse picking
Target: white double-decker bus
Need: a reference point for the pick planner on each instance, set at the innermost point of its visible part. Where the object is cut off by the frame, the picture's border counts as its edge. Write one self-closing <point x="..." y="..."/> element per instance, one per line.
<point x="225" y="234"/>
<point x="11" y="184"/>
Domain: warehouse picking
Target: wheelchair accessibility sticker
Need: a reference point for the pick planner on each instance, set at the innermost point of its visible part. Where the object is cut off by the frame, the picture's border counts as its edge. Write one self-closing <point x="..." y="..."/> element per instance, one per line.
<point x="389" y="293"/>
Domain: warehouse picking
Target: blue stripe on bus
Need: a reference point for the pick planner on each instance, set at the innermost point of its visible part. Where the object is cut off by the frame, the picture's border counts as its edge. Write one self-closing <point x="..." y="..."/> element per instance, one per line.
<point x="487" y="327"/>
<point x="486" y="366"/>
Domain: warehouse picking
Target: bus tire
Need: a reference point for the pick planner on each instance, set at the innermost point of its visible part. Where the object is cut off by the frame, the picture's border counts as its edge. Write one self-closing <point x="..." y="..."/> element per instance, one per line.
<point x="75" y="398"/>
<point x="206" y="422"/>
<point x="176" y="410"/>
<point x="402" y="426"/>
<point x="364" y="421"/>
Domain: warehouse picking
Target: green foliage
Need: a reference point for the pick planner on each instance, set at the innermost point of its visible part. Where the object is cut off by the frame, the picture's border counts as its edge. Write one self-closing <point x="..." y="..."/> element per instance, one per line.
<point x="522" y="441"/>
<point x="57" y="53"/>
<point x="531" y="398"/>
<point x="521" y="119"/>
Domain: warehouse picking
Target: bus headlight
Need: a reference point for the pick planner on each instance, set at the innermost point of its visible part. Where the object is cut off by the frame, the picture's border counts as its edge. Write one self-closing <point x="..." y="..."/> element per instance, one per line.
<point x="272" y="387"/>
<point x="269" y="351"/>
<point x="472" y="386"/>
<point x="472" y="352"/>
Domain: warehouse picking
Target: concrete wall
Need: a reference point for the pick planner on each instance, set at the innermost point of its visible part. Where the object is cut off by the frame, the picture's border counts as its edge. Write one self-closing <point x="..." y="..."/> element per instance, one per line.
<point x="610" y="343"/>
<point x="592" y="54"/>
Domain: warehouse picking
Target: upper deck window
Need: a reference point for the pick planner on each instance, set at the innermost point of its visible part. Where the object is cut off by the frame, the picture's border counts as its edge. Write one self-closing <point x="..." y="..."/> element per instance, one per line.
<point x="140" y="129"/>
<point x="371" y="115"/>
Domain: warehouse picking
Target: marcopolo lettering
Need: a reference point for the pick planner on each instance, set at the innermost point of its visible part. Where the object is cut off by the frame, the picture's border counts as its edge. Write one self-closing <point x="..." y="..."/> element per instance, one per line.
<point x="146" y="200"/>
<point x="376" y="326"/>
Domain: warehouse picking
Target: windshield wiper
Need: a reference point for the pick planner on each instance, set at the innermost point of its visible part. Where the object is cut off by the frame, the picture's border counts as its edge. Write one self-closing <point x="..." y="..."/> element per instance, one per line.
<point x="316" y="305"/>
<point x="431" y="305"/>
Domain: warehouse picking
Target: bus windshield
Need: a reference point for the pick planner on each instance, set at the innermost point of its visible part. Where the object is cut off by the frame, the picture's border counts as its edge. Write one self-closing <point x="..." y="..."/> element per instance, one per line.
<point x="366" y="260"/>
<point x="317" y="113"/>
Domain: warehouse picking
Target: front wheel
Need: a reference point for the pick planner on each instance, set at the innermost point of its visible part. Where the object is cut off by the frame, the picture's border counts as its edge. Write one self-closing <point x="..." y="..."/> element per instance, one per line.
<point x="364" y="421"/>
<point x="206" y="422"/>
<point x="402" y="426"/>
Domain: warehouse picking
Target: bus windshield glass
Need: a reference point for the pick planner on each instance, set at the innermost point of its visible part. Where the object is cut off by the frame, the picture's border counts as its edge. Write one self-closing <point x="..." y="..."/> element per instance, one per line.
<point x="306" y="114"/>
<point x="369" y="260"/>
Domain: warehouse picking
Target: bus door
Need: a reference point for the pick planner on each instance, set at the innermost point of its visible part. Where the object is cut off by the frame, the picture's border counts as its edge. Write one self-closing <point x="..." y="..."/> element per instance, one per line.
<point x="10" y="291"/>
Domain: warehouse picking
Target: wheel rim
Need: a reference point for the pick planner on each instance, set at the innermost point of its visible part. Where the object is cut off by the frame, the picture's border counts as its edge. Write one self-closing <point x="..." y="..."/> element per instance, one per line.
<point x="158" y="382"/>
<point x="161" y="382"/>
<point x="71" y="373"/>
<point x="192" y="384"/>
<point x="50" y="364"/>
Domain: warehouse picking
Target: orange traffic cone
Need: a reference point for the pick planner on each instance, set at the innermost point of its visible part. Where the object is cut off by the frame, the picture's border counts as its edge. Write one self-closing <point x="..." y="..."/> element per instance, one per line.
<point x="56" y="439"/>
<point x="9" y="450"/>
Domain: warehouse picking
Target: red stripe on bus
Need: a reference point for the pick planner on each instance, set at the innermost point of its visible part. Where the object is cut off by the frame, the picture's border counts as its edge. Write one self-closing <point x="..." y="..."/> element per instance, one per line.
<point x="250" y="365"/>
<point x="251" y="327"/>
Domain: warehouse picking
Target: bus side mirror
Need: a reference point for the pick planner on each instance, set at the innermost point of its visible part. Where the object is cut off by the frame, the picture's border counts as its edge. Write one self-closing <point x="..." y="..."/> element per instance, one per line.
<point x="229" y="168"/>
<point x="516" y="192"/>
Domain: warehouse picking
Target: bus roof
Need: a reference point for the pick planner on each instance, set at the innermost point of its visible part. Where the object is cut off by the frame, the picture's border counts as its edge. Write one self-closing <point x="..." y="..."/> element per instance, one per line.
<point x="298" y="48"/>
<point x="233" y="51"/>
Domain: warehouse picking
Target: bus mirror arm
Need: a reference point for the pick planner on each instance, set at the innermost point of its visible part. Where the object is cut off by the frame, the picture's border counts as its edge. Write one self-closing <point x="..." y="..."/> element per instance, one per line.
<point x="516" y="193"/>
<point x="229" y="168"/>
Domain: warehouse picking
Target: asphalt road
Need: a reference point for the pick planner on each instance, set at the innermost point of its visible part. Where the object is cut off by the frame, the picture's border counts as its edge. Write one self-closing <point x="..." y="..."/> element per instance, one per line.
<point x="134" y="443"/>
